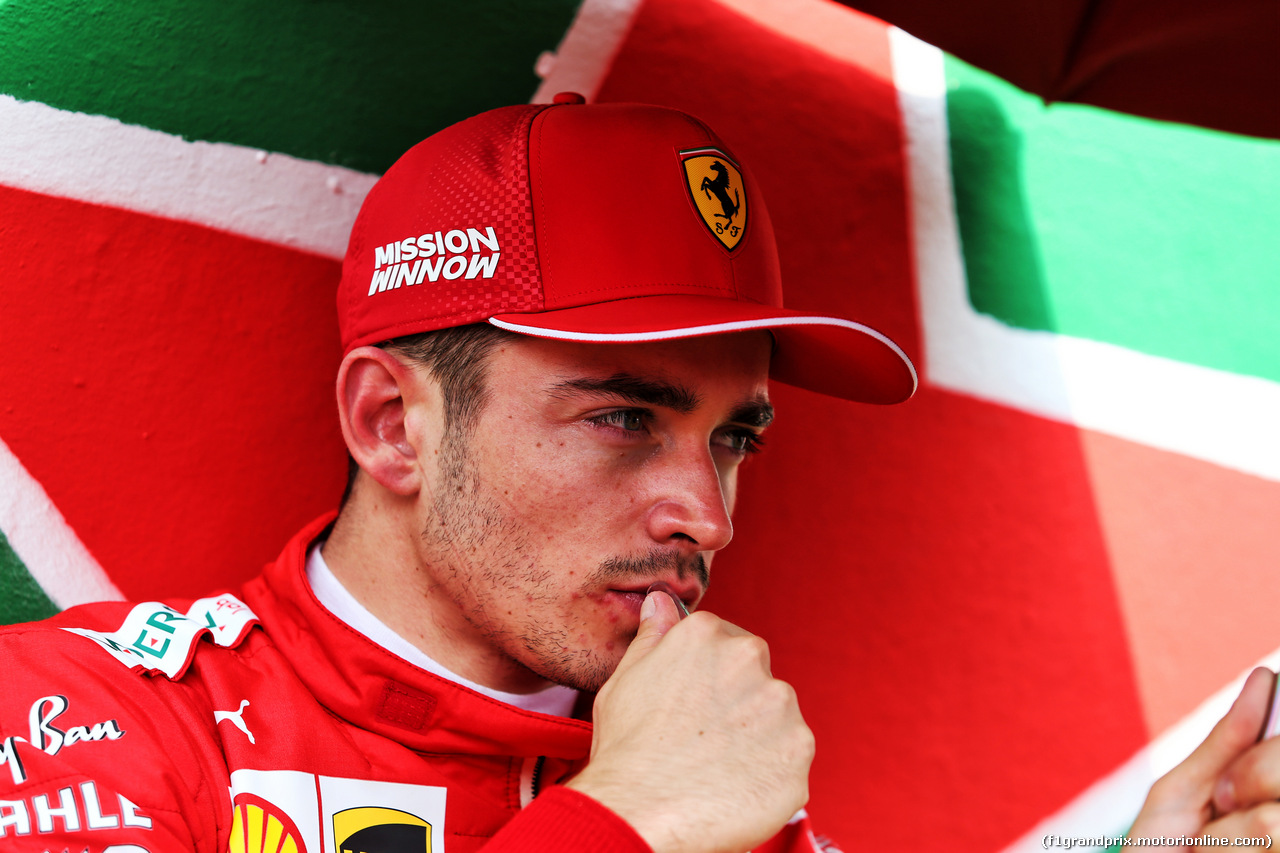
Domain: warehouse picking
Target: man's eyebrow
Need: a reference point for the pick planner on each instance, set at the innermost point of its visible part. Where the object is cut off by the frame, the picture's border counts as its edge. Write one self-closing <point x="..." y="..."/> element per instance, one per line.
<point x="633" y="389"/>
<point x="757" y="413"/>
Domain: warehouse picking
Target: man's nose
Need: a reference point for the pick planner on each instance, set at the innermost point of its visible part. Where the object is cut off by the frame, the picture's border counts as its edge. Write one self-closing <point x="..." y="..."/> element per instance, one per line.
<point x="689" y="507"/>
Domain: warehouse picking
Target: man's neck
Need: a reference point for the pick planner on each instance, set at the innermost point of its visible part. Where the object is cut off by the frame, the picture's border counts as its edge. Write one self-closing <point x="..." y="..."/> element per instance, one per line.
<point x="371" y="552"/>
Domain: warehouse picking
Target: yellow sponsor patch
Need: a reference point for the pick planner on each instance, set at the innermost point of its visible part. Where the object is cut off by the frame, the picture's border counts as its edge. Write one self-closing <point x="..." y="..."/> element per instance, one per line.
<point x="380" y="830"/>
<point x="715" y="185"/>
<point x="259" y="826"/>
<point x="289" y="811"/>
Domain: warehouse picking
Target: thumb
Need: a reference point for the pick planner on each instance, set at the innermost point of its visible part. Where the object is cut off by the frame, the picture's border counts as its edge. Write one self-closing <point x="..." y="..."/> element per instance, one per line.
<point x="1235" y="787"/>
<point x="1232" y="735"/>
<point x="658" y="615"/>
<point x="1182" y="799"/>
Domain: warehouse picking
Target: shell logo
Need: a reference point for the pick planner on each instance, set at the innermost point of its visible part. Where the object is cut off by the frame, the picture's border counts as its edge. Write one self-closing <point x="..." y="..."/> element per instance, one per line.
<point x="260" y="827"/>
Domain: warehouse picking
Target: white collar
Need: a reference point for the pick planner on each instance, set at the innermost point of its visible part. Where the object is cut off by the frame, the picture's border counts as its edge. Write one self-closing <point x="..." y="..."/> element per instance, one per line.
<point x="555" y="699"/>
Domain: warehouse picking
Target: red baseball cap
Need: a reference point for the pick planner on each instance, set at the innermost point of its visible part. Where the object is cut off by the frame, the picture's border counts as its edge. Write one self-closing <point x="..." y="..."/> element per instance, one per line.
<point x="602" y="223"/>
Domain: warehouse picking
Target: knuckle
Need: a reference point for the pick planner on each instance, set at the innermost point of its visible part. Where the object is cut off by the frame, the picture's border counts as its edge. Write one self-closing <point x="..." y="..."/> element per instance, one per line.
<point x="808" y="743"/>
<point x="799" y="751"/>
<point x="701" y="624"/>
<point x="1265" y="820"/>
<point x="780" y="693"/>
<point x="1255" y="779"/>
<point x="1266" y="773"/>
<point x="751" y="648"/>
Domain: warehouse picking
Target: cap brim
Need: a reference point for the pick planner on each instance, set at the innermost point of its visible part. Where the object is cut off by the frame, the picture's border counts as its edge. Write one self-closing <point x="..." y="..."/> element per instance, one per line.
<point x="829" y="355"/>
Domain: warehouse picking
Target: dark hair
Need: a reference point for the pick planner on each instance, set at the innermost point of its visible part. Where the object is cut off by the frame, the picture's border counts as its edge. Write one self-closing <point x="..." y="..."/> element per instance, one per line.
<point x="457" y="359"/>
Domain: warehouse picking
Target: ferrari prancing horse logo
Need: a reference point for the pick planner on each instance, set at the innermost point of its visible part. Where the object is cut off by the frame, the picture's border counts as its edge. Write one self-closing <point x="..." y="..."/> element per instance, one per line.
<point x="715" y="185"/>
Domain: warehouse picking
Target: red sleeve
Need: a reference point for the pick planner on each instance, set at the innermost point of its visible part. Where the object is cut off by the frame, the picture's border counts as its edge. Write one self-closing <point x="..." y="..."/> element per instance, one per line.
<point x="93" y="756"/>
<point x="798" y="837"/>
<point x="562" y="820"/>
<point x="60" y="808"/>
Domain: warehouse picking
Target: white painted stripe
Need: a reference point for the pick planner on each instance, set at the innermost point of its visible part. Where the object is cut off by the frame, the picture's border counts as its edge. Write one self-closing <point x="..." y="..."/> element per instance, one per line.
<point x="1109" y="806"/>
<point x="1225" y="418"/>
<point x="1107" y="388"/>
<point x="270" y="197"/>
<point x="41" y="538"/>
<point x="587" y="50"/>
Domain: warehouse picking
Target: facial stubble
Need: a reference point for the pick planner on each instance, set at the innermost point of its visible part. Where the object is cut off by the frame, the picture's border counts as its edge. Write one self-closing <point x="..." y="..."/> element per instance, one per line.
<point x="469" y="520"/>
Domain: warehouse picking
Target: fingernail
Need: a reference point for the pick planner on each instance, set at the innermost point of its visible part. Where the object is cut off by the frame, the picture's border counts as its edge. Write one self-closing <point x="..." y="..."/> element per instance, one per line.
<point x="664" y="587"/>
<point x="1224" y="796"/>
<point x="649" y="607"/>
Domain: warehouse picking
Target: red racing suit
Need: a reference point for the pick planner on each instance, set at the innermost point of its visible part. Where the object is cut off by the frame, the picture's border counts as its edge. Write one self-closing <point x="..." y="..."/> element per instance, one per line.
<point x="261" y="723"/>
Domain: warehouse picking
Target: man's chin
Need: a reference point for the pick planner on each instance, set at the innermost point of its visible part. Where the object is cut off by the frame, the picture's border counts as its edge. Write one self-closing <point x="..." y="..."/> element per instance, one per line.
<point x="587" y="672"/>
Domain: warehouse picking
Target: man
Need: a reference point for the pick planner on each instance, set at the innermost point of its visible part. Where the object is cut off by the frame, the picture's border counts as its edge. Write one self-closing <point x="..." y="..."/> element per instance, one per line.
<point x="559" y="325"/>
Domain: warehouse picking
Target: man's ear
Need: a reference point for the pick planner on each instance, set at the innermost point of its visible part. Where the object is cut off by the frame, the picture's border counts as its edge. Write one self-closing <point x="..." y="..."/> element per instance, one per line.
<point x="373" y="386"/>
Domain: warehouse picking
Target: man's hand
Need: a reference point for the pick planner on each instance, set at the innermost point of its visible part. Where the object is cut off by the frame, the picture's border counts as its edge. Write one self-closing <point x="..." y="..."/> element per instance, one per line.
<point x="696" y="744"/>
<point x="1228" y="787"/>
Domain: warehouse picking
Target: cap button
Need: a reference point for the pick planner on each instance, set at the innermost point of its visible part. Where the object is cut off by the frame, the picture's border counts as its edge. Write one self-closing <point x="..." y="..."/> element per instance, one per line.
<point x="568" y="98"/>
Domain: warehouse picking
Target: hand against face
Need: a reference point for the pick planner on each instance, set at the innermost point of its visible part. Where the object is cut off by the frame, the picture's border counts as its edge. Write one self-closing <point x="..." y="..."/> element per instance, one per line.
<point x="1229" y="786"/>
<point x="696" y="744"/>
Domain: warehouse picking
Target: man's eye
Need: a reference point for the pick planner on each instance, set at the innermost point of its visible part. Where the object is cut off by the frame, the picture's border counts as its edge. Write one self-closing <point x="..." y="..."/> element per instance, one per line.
<point x="742" y="441"/>
<point x="628" y="419"/>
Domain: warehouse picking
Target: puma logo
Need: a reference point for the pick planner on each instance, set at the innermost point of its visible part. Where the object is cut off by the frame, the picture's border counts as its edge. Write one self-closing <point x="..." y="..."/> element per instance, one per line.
<point x="236" y="718"/>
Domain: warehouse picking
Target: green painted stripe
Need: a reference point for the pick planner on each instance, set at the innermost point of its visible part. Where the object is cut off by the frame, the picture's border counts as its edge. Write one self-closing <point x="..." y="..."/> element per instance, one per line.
<point x="349" y="83"/>
<point x="22" y="600"/>
<point x="1156" y="237"/>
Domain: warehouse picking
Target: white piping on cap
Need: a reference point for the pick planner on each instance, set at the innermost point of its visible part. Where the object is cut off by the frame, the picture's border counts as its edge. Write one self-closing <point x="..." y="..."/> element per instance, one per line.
<point x="711" y="329"/>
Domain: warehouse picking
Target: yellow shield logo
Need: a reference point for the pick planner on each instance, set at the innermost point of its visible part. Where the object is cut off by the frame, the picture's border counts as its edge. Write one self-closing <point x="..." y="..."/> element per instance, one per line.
<point x="716" y="187"/>
<point x="379" y="830"/>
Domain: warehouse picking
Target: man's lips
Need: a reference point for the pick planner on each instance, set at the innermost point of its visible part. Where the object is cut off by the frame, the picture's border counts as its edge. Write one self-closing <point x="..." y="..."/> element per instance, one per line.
<point x="689" y="593"/>
<point x="665" y="588"/>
